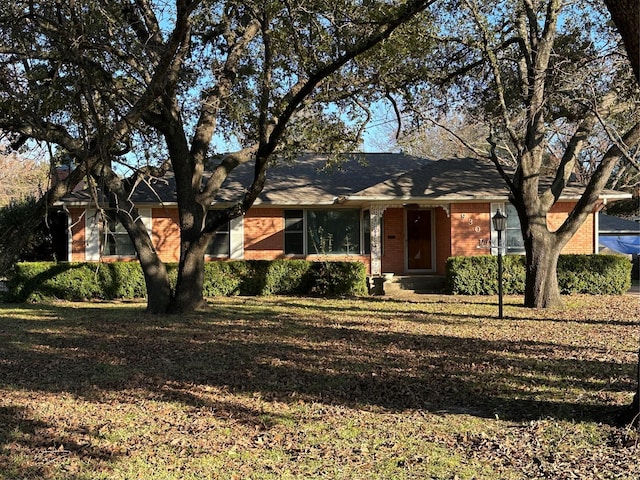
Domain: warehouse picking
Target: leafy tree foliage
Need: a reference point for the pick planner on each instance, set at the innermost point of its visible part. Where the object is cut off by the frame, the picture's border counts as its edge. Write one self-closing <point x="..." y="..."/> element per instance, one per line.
<point x="121" y="84"/>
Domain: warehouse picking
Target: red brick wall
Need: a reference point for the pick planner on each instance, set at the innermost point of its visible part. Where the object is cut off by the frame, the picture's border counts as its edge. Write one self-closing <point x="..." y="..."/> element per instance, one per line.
<point x="583" y="242"/>
<point x="77" y="222"/>
<point x="166" y="233"/>
<point x="264" y="234"/>
<point x="469" y="223"/>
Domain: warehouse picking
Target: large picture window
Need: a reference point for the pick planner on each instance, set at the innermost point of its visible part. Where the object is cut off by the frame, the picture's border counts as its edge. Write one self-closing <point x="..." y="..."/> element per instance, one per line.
<point x="323" y="232"/>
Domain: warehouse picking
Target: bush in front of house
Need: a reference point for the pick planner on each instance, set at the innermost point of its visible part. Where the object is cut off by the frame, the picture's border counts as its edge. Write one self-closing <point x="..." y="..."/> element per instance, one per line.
<point x="34" y="281"/>
<point x="594" y="274"/>
<point x="338" y="278"/>
<point x="590" y="274"/>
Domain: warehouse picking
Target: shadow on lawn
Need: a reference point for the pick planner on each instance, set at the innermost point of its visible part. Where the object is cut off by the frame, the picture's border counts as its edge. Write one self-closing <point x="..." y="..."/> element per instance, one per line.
<point x="290" y="357"/>
<point x="25" y="433"/>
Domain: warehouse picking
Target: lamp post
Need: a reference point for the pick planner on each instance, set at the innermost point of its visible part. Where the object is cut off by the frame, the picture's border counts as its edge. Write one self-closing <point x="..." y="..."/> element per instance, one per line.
<point x="499" y="224"/>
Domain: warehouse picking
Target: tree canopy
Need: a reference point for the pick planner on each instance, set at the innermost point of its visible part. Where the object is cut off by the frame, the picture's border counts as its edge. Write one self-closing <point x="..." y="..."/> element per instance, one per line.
<point x="129" y="89"/>
<point x="549" y="84"/>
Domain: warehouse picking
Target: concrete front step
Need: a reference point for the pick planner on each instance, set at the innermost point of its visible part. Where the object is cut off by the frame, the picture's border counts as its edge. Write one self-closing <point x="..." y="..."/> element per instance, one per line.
<point x="414" y="283"/>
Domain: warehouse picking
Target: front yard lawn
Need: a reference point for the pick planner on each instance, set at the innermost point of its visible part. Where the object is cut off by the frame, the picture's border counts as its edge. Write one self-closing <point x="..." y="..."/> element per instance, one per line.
<point x="281" y="388"/>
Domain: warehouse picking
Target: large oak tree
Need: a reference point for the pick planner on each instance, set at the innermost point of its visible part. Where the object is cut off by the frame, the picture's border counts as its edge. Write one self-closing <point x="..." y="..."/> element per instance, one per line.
<point x="140" y="86"/>
<point x="551" y="81"/>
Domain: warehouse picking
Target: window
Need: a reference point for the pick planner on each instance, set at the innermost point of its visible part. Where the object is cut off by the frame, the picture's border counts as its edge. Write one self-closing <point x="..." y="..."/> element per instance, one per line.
<point x="294" y="232"/>
<point x="220" y="245"/>
<point x="105" y="235"/>
<point x="322" y="232"/>
<point x="366" y="232"/>
<point x="513" y="233"/>
<point x="117" y="239"/>
<point x="333" y="231"/>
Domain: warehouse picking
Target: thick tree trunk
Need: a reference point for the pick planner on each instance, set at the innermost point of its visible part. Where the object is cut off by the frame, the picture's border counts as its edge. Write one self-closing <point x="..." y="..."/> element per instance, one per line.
<point x="157" y="283"/>
<point x="541" y="281"/>
<point x="155" y="274"/>
<point x="189" y="286"/>
<point x="626" y="16"/>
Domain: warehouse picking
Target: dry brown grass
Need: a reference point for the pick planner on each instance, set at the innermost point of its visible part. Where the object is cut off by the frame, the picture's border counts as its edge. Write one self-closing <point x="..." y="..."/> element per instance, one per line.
<point x="420" y="387"/>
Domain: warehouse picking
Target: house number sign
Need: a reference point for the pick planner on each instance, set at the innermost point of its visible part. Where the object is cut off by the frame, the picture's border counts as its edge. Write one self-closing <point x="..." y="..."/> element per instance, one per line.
<point x="477" y="228"/>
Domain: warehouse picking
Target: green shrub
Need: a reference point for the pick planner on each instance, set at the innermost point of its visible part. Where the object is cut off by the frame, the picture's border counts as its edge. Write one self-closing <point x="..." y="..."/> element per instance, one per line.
<point x="286" y="277"/>
<point x="472" y="275"/>
<point x="338" y="279"/>
<point x="223" y="279"/>
<point x="83" y="281"/>
<point x="33" y="281"/>
<point x="595" y="274"/>
<point x="591" y="274"/>
<point x="122" y="280"/>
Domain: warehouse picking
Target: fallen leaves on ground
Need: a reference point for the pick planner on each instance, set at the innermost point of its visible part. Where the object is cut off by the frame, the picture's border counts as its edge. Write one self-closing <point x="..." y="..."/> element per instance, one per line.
<point x="418" y="387"/>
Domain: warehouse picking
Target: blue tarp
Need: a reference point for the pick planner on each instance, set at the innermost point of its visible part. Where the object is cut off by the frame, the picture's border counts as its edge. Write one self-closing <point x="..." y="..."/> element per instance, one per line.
<point x="628" y="244"/>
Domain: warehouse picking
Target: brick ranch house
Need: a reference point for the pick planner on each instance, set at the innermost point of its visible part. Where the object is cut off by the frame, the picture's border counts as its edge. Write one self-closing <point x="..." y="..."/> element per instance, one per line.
<point x="396" y="213"/>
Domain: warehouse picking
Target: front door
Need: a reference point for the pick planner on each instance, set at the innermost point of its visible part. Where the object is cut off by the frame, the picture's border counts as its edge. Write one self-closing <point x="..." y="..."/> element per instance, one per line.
<point x="419" y="240"/>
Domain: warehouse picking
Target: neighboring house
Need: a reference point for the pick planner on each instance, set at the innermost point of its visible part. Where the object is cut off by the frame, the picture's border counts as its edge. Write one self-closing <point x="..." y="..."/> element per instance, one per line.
<point x="393" y="212"/>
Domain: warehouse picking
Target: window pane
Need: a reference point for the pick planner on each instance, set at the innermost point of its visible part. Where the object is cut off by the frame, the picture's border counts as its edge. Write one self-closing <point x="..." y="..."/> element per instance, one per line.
<point x="294" y="243"/>
<point x="333" y="231"/>
<point x="293" y="220"/>
<point x="514" y="240"/>
<point x="220" y="245"/>
<point x="293" y="232"/>
<point x="366" y="232"/>
<point x="118" y="241"/>
<point x="515" y="243"/>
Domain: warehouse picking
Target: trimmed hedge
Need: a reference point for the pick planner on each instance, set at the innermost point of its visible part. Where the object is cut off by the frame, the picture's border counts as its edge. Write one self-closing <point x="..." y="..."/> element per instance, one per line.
<point x="124" y="280"/>
<point x="590" y="274"/>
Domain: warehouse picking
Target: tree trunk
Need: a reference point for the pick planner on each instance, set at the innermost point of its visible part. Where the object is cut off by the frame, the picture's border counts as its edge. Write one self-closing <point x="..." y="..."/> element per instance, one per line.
<point x="188" y="296"/>
<point x="157" y="283"/>
<point x="155" y="274"/>
<point x="541" y="281"/>
<point x="626" y="16"/>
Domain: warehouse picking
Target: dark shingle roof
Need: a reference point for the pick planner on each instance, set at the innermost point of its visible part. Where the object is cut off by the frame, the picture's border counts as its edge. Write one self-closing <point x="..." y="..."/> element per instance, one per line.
<point x="310" y="180"/>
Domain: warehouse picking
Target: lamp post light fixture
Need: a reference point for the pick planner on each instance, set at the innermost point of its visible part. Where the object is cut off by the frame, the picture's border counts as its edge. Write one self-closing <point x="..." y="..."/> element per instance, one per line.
<point x="499" y="225"/>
